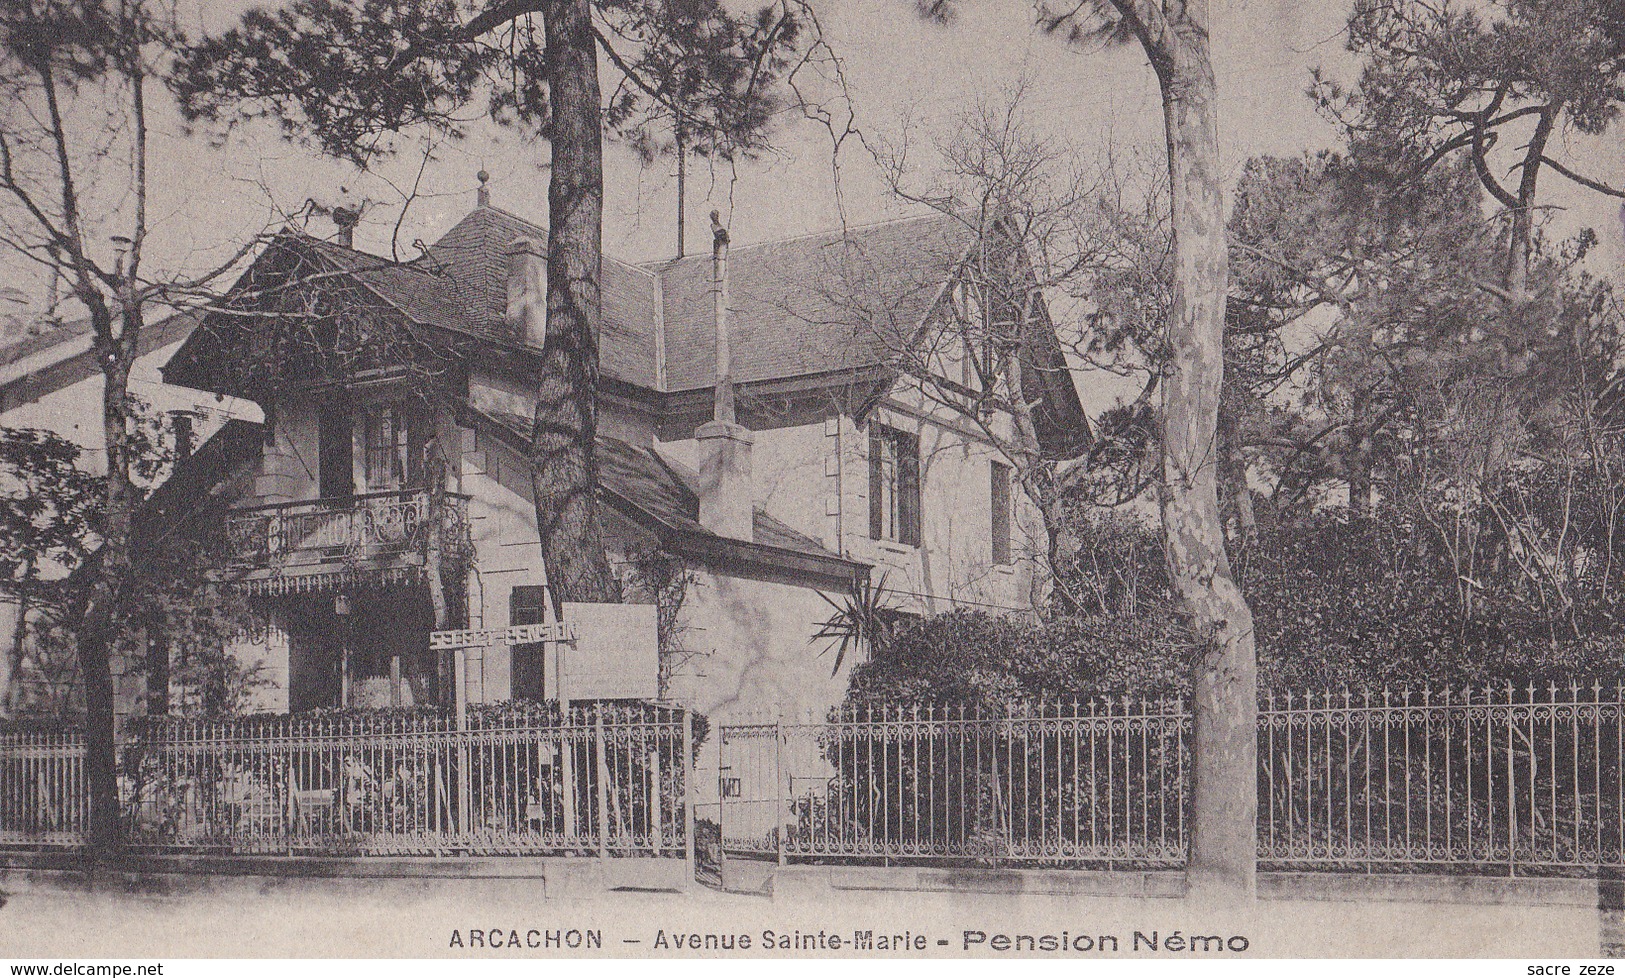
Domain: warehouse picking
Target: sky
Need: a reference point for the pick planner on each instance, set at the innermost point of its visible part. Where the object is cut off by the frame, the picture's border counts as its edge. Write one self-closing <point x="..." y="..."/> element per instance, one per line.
<point x="903" y="75"/>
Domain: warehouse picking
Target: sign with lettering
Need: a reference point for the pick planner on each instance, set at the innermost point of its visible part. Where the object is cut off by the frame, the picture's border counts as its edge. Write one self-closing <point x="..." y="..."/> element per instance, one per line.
<point x="463" y="638"/>
<point x="616" y="652"/>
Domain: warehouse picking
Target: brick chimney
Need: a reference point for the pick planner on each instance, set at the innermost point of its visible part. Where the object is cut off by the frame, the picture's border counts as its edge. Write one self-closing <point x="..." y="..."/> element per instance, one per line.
<point x="527" y="290"/>
<point x="727" y="506"/>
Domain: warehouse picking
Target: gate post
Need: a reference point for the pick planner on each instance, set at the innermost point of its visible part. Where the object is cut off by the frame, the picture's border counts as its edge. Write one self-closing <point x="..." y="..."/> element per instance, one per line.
<point x="685" y="764"/>
<point x="783" y="795"/>
<point x="603" y="778"/>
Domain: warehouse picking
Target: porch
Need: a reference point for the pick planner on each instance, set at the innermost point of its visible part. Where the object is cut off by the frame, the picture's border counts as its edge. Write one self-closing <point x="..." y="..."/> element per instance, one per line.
<point x="347" y="583"/>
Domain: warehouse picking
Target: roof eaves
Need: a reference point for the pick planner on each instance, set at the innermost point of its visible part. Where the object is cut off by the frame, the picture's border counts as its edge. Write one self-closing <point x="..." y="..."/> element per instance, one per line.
<point x="764" y="555"/>
<point x="702" y="540"/>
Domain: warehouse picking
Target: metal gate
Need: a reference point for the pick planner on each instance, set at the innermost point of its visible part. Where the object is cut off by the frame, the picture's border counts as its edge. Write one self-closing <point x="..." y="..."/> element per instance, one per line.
<point x="750" y="793"/>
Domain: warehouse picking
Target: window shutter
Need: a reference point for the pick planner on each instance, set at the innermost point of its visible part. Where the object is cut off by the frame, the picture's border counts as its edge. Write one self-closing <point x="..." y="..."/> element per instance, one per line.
<point x="877" y="476"/>
<point x="526" y="606"/>
<point x="1000" y="502"/>
<point x="334" y="466"/>
<point x="416" y="417"/>
<point x="908" y="489"/>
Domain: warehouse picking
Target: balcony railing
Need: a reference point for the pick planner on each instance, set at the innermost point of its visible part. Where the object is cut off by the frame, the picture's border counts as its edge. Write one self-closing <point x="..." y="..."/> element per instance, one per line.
<point x="366" y="528"/>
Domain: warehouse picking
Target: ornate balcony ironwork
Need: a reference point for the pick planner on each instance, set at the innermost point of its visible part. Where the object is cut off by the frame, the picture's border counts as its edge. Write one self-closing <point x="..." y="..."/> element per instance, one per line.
<point x="374" y="531"/>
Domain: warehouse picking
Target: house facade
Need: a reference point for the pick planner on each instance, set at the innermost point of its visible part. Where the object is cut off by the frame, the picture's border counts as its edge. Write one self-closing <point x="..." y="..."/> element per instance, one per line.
<point x="759" y="450"/>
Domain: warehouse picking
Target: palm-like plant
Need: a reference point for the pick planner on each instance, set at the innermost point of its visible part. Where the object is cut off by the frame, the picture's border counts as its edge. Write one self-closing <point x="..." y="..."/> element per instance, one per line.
<point x="861" y="620"/>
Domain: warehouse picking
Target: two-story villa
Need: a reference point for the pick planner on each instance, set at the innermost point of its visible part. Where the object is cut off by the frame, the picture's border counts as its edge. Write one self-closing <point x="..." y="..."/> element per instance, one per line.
<point x="389" y="487"/>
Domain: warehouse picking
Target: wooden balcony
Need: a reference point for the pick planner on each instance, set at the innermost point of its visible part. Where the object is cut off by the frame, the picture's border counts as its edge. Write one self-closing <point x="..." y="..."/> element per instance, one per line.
<point x="321" y="544"/>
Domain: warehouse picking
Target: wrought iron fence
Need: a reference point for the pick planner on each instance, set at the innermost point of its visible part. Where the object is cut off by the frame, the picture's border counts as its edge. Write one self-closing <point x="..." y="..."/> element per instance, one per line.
<point x="1490" y="780"/>
<point x="42" y="788"/>
<point x="1486" y="780"/>
<point x="610" y="781"/>
<point x="1503" y="779"/>
<point x="1096" y="783"/>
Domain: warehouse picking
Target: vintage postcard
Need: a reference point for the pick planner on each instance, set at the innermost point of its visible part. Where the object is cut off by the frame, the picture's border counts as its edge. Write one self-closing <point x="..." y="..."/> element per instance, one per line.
<point x="802" y="479"/>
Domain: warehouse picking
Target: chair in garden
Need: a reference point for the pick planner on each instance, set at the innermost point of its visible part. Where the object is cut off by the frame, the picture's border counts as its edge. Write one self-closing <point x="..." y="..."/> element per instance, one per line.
<point x="310" y="810"/>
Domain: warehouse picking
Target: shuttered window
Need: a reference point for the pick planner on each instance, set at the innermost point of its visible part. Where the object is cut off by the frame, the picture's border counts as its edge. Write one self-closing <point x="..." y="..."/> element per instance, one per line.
<point x="894" y="485"/>
<point x="999" y="501"/>
<point x="526" y="606"/>
<point x="334" y="451"/>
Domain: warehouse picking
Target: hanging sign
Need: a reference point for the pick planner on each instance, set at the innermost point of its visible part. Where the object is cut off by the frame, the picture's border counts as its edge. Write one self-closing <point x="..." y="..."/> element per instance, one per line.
<point x="464" y="638"/>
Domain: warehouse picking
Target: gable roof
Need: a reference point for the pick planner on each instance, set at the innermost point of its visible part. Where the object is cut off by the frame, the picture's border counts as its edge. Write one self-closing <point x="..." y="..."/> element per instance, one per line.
<point x="28" y="345"/>
<point x="42" y="365"/>
<point x="812" y="308"/>
<point x="419" y="293"/>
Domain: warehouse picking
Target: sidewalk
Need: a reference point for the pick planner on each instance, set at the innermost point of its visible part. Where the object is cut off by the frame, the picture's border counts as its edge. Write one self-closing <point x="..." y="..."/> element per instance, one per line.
<point x="476" y="920"/>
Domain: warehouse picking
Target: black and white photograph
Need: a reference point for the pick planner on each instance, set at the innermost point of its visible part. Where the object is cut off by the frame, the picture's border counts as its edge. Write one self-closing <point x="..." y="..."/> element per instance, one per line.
<point x="1094" y="481"/>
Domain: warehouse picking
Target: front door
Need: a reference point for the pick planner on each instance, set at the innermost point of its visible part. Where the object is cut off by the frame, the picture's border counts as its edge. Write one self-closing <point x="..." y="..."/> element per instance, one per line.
<point x="367" y="649"/>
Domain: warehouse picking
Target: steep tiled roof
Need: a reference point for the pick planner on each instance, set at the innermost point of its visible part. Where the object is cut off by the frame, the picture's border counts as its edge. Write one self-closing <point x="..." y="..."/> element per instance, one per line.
<point x="663" y="491"/>
<point x="421" y="294"/>
<point x="802" y="307"/>
<point x="474" y="254"/>
<point x="812" y="304"/>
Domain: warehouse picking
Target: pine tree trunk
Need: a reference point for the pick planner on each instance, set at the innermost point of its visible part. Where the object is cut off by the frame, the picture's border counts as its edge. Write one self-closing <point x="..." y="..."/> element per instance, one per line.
<point x="1362" y="501"/>
<point x="97" y="633"/>
<point x="1224" y="799"/>
<point x="563" y="461"/>
<point x="14" y="650"/>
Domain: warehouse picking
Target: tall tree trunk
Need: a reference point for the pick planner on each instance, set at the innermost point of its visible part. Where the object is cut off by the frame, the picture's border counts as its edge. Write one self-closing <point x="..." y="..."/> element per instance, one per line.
<point x="1521" y="236"/>
<point x="1362" y="503"/>
<point x="564" y="463"/>
<point x="1518" y="302"/>
<point x="96" y="636"/>
<point x="14" y="651"/>
<point x="1224" y="802"/>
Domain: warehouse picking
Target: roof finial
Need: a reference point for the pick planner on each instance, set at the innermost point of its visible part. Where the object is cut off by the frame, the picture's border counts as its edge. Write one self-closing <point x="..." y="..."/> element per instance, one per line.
<point x="483" y="196"/>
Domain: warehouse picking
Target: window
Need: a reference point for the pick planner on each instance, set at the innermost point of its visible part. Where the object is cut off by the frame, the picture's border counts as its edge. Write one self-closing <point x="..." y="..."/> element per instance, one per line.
<point x="391" y="439"/>
<point x="527" y="606"/>
<point x="999" y="501"/>
<point x="894" y="485"/>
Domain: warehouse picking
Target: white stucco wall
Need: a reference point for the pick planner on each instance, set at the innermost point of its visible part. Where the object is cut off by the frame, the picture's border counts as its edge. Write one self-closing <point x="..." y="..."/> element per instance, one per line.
<point x="75" y="411"/>
<point x="508" y="553"/>
<point x="751" y="649"/>
<point x="953" y="566"/>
